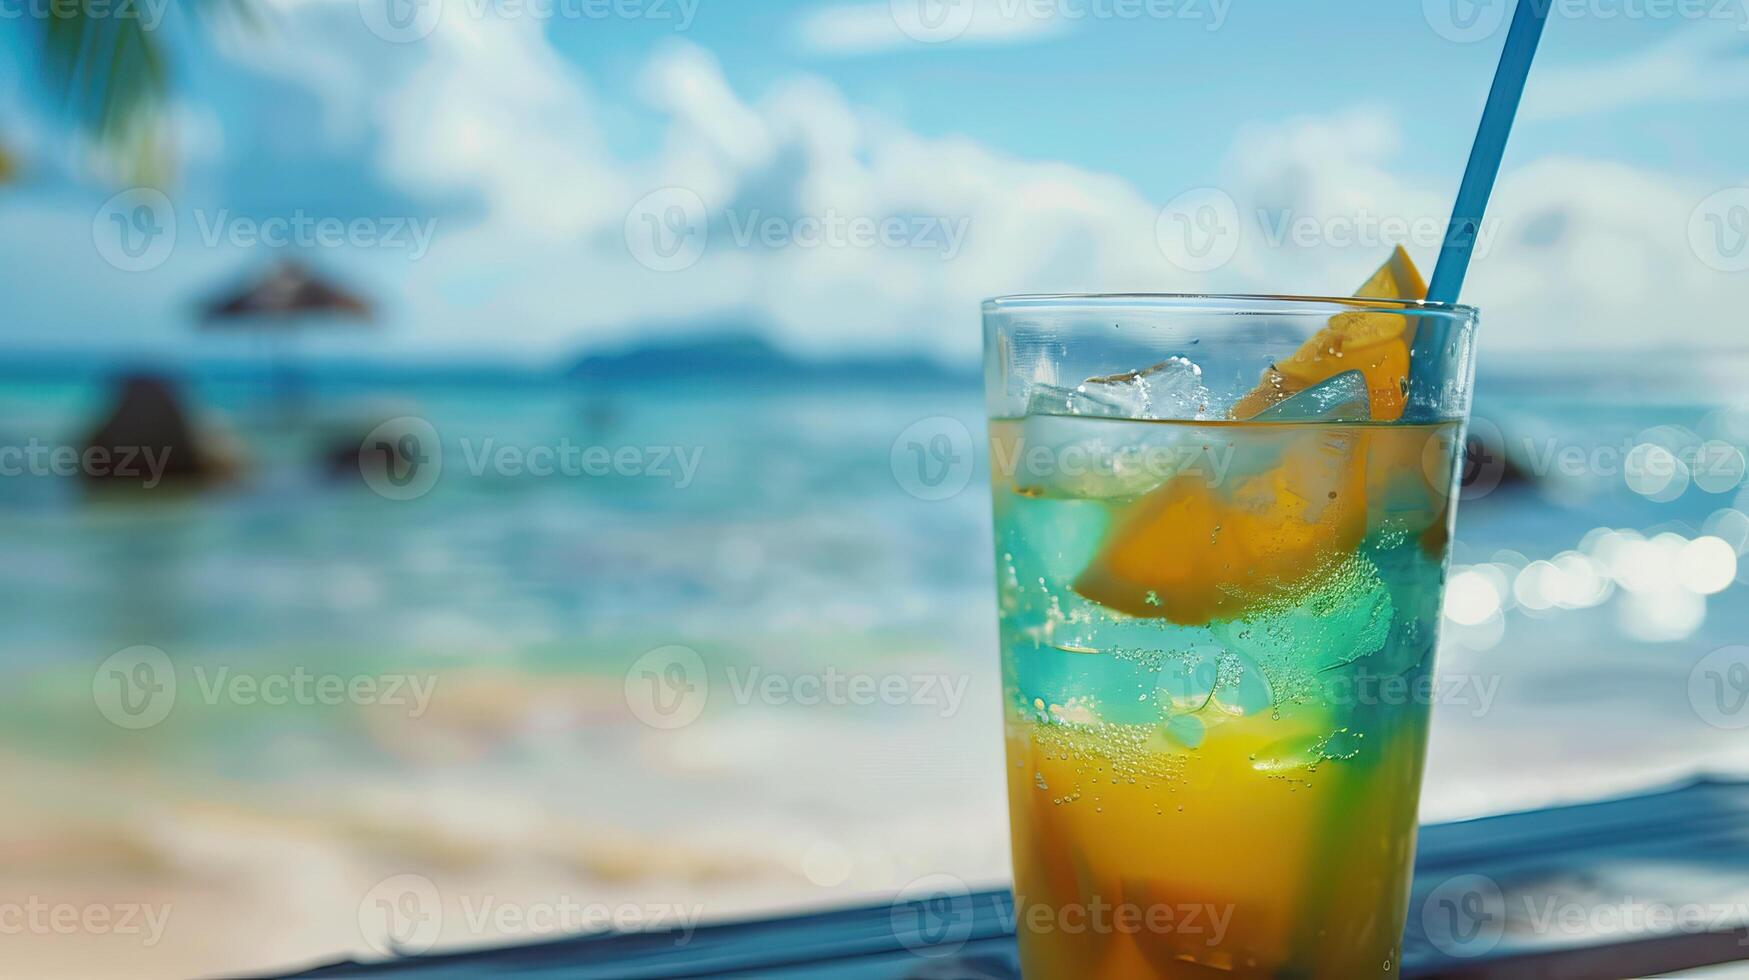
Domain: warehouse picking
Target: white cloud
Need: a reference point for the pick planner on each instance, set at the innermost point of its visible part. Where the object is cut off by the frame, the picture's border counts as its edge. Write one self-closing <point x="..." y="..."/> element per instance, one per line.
<point x="1597" y="255"/>
<point x="862" y="28"/>
<point x="1706" y="62"/>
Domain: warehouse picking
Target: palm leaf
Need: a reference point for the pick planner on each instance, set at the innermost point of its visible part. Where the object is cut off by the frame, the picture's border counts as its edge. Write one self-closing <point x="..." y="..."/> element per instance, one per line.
<point x="108" y="72"/>
<point x="108" y="69"/>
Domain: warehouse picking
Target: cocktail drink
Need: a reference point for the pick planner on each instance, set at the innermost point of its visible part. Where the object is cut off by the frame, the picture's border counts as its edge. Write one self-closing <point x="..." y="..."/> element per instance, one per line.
<point x="1219" y="580"/>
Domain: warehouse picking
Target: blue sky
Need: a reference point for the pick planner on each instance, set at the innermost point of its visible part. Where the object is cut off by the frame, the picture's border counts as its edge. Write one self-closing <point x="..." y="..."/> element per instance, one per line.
<point x="502" y="156"/>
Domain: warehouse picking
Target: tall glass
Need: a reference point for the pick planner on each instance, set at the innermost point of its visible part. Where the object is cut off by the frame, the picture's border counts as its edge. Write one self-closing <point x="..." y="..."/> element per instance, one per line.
<point x="1219" y="581"/>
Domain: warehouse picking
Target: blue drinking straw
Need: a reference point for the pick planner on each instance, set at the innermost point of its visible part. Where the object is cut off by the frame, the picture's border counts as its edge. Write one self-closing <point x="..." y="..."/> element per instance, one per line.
<point x="1478" y="183"/>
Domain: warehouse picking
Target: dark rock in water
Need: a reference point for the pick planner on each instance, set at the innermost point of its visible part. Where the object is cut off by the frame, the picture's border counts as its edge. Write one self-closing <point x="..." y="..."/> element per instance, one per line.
<point x="347" y="457"/>
<point x="146" y="441"/>
<point x="600" y="415"/>
<point x="1488" y="466"/>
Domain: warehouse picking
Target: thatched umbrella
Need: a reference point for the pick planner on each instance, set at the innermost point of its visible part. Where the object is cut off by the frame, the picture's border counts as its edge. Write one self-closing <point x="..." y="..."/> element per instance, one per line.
<point x="287" y="297"/>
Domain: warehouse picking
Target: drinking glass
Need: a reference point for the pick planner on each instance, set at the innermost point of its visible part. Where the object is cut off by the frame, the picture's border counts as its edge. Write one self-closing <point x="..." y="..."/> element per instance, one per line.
<point x="1221" y="528"/>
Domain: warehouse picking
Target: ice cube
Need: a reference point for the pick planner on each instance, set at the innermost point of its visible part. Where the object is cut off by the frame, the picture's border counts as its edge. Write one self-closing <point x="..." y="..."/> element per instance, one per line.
<point x="1053" y="400"/>
<point x="1341" y="398"/>
<point x="1171" y="389"/>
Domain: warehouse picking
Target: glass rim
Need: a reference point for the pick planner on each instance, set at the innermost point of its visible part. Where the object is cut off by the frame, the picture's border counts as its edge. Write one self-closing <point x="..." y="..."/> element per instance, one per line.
<point x="1232" y="303"/>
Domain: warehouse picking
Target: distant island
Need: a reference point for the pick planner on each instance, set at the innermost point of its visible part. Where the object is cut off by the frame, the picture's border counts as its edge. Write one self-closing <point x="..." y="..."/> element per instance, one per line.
<point x="749" y="358"/>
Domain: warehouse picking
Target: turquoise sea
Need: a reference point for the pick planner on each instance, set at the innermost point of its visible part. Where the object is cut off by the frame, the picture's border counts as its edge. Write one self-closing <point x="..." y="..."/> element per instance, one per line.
<point x="790" y="558"/>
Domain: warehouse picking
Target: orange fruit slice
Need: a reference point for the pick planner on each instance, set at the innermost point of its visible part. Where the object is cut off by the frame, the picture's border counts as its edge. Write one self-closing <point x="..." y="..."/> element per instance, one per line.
<point x="1373" y="343"/>
<point x="1192" y="552"/>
